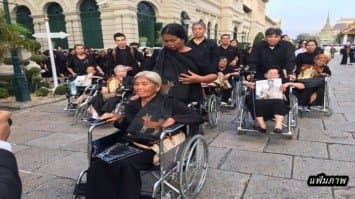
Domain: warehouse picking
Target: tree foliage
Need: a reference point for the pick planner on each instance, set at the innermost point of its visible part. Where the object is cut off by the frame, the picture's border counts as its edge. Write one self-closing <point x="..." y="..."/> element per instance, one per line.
<point x="259" y="37"/>
<point x="13" y="36"/>
<point x="305" y="36"/>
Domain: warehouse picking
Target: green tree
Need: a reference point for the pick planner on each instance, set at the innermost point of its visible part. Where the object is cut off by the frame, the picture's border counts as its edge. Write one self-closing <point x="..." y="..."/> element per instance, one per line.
<point x="338" y="38"/>
<point x="13" y="36"/>
<point x="305" y="36"/>
<point x="259" y="37"/>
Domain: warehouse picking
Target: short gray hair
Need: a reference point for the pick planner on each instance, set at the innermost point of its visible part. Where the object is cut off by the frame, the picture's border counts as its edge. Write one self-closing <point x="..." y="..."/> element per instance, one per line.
<point x="118" y="67"/>
<point x="153" y="77"/>
<point x="199" y="22"/>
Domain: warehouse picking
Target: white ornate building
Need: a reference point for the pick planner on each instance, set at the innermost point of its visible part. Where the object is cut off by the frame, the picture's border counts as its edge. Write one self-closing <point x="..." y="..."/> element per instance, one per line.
<point x="93" y="23"/>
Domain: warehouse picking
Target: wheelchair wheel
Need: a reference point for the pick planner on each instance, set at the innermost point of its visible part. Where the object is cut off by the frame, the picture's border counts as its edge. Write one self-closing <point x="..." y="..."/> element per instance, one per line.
<point x="80" y="189"/>
<point x="213" y="112"/>
<point x="81" y="111"/>
<point x="193" y="166"/>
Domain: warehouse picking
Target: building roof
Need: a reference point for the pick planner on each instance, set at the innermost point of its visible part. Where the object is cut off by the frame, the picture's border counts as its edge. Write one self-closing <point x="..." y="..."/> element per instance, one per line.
<point x="340" y="26"/>
<point x="350" y="30"/>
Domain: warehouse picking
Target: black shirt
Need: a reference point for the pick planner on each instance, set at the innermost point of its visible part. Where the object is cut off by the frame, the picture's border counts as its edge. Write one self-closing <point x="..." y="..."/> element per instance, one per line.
<point x="127" y="57"/>
<point x="263" y="57"/>
<point x="207" y="53"/>
<point x="79" y="66"/>
<point x="230" y="53"/>
<point x="305" y="58"/>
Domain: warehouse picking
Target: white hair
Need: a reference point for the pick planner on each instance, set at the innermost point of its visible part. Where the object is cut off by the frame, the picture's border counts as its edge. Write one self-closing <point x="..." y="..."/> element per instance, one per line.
<point x="151" y="76"/>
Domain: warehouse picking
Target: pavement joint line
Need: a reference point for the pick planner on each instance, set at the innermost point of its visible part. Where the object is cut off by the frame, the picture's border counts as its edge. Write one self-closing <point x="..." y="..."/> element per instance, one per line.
<point x="246" y="186"/>
<point x="298" y="133"/>
<point x="333" y="193"/>
<point x="267" y="143"/>
<point x="292" y="165"/>
<point x="323" y="124"/>
<point x="328" y="151"/>
<point x="24" y="171"/>
<point x="329" y="142"/>
<point x="224" y="158"/>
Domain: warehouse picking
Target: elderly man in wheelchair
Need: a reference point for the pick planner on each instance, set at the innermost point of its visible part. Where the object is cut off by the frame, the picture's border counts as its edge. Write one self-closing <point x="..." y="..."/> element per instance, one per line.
<point x="146" y="130"/>
<point x="265" y="100"/>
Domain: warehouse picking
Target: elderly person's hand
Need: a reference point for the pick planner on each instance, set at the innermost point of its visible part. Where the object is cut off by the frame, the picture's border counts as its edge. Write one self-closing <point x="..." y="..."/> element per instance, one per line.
<point x="4" y="125"/>
<point x="111" y="117"/>
<point x="249" y="84"/>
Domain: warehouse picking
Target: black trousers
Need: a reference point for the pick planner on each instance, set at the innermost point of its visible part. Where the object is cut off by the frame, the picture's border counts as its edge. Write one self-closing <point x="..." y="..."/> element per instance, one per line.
<point x="120" y="180"/>
<point x="101" y="106"/>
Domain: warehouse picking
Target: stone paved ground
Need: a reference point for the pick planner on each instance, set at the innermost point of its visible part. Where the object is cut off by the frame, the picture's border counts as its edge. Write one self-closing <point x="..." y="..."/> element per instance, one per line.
<point x="51" y="152"/>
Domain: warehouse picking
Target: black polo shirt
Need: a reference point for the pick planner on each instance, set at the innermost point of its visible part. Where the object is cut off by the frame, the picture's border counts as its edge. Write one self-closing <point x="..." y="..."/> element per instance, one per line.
<point x="207" y="54"/>
<point x="263" y="57"/>
<point x="230" y="53"/>
<point x="80" y="65"/>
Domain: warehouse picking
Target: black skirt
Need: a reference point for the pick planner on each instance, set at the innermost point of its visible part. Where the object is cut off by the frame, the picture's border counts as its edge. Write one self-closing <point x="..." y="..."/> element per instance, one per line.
<point x="269" y="108"/>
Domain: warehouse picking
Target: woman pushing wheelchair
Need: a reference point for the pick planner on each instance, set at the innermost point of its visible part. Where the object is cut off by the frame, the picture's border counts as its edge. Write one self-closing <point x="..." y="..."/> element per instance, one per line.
<point x="144" y="116"/>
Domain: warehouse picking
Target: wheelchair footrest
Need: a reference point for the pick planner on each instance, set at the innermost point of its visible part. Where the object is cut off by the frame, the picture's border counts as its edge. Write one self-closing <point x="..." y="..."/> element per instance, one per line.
<point x="80" y="189"/>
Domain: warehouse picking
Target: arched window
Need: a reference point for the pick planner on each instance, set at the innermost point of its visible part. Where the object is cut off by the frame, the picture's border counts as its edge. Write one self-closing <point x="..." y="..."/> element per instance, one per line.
<point x="209" y="30"/>
<point x="146" y="23"/>
<point x="216" y="32"/>
<point x="235" y="32"/>
<point x="23" y="17"/>
<point x="91" y="24"/>
<point x="57" y="23"/>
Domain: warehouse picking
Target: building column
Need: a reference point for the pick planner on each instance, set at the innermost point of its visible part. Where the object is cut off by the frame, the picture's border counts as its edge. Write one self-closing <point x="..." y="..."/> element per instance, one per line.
<point x="73" y="27"/>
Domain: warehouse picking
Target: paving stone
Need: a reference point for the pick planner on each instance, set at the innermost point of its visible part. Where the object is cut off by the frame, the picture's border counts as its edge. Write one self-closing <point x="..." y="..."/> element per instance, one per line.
<point x="342" y="152"/>
<point x="261" y="163"/>
<point x="30" y="181"/>
<point x="59" y="188"/>
<point x="346" y="193"/>
<point x="73" y="164"/>
<point x="297" y="147"/>
<point x="241" y="142"/>
<point x="326" y="136"/>
<point x="265" y="187"/>
<point x="55" y="141"/>
<point x="16" y="148"/>
<point x="230" y="184"/>
<point x="34" y="158"/>
<point x="216" y="156"/>
<point x="22" y="135"/>
<point x="305" y="167"/>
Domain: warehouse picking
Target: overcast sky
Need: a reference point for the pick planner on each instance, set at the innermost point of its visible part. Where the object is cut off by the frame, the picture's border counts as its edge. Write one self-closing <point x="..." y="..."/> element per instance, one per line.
<point x="308" y="16"/>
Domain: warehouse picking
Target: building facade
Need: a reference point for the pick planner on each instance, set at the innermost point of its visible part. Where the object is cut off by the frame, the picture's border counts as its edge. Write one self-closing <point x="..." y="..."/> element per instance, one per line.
<point x="93" y="22"/>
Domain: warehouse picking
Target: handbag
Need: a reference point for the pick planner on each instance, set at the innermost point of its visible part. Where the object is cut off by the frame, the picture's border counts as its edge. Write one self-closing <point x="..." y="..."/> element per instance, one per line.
<point x="169" y="143"/>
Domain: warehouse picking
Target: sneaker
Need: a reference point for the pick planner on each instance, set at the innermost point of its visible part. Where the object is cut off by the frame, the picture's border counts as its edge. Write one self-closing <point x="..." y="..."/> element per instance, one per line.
<point x="306" y="109"/>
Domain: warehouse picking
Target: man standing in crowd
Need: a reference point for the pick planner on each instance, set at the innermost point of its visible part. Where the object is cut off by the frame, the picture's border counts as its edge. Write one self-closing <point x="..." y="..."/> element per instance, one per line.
<point x="10" y="183"/>
<point x="125" y="55"/>
<point x="208" y="54"/>
<point x="226" y="50"/>
<point x="272" y="52"/>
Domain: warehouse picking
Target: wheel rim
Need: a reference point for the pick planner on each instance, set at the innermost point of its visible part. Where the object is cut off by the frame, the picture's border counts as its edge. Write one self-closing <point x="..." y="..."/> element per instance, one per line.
<point x="213" y="113"/>
<point x="193" y="167"/>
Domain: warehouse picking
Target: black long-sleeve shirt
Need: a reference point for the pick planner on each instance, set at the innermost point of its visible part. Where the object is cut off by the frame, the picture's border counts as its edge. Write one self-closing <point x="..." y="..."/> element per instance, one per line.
<point x="230" y="53"/>
<point x="305" y="58"/>
<point x="207" y="53"/>
<point x="263" y="57"/>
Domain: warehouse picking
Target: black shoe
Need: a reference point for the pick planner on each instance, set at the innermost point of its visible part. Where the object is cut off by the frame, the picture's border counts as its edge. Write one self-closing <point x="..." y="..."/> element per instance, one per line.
<point x="261" y="130"/>
<point x="277" y="131"/>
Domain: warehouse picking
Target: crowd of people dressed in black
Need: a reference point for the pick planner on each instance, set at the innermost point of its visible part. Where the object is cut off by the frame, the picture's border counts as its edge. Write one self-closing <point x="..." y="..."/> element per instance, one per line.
<point x="165" y="81"/>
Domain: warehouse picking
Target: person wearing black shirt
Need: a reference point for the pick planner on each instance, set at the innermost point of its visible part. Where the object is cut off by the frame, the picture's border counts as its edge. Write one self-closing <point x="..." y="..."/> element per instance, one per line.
<point x="228" y="72"/>
<point x="78" y="63"/>
<point x="226" y="50"/>
<point x="272" y="52"/>
<point x="178" y="66"/>
<point x="125" y="55"/>
<point x="307" y="58"/>
<point x="207" y="49"/>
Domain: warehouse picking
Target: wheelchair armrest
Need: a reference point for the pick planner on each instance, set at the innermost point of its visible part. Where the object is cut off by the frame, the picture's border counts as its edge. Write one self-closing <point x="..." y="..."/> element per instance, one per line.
<point x="171" y="129"/>
<point x="96" y="124"/>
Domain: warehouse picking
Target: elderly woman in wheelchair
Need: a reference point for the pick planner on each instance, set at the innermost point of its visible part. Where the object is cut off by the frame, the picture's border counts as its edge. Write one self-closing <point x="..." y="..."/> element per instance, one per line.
<point x="315" y="79"/>
<point x="144" y="118"/>
<point x="112" y="93"/>
<point x="271" y="103"/>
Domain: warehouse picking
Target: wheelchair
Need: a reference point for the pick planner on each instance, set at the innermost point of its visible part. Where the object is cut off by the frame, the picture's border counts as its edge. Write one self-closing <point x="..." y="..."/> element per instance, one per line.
<point x="325" y="108"/>
<point x="79" y="95"/>
<point x="245" y="121"/>
<point x="182" y="170"/>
